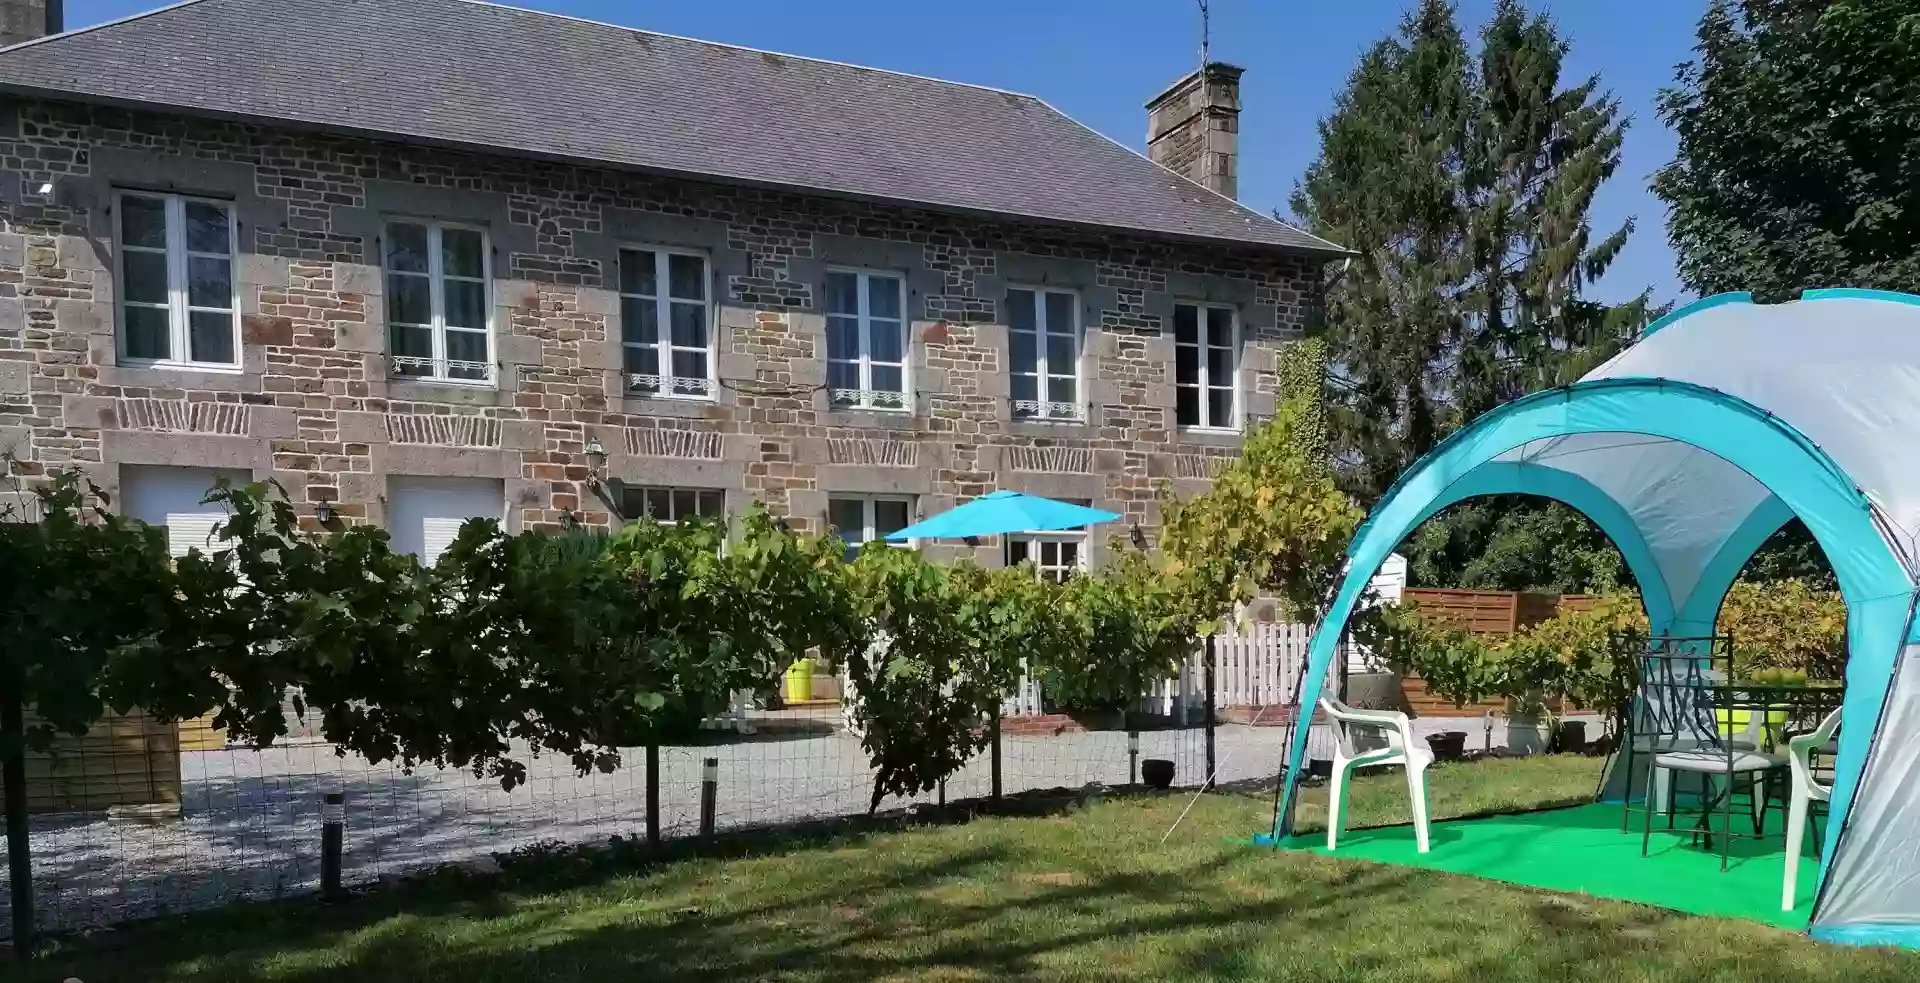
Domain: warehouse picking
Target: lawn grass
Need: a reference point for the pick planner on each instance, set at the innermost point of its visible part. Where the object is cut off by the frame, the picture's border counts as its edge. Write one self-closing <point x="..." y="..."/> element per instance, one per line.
<point x="1088" y="895"/>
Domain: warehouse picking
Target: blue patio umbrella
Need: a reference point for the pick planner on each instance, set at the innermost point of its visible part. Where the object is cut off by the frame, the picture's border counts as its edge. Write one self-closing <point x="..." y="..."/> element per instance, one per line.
<point x="1003" y="511"/>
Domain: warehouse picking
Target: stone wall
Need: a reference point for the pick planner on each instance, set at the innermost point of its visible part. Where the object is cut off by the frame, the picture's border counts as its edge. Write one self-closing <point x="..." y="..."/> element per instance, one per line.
<point x="316" y="408"/>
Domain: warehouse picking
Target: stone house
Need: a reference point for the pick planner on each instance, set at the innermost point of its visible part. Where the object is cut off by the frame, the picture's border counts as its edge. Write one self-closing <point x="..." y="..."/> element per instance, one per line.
<point x="421" y="260"/>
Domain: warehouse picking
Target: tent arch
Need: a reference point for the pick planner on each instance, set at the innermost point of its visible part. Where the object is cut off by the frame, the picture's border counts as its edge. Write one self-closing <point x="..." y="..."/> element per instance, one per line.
<point x="1581" y="495"/>
<point x="1806" y="481"/>
<point x="1700" y="610"/>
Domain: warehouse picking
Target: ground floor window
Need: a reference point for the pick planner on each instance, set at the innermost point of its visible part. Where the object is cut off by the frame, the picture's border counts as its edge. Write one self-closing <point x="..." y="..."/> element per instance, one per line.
<point x="1056" y="556"/>
<point x="673" y="504"/>
<point x="860" y="519"/>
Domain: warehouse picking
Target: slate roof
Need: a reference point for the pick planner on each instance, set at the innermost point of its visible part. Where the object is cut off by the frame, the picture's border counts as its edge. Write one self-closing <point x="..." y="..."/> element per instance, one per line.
<point x="486" y="77"/>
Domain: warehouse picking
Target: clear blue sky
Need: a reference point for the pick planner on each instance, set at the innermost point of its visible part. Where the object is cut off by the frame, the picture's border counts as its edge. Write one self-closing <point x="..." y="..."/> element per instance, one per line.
<point x="1100" y="60"/>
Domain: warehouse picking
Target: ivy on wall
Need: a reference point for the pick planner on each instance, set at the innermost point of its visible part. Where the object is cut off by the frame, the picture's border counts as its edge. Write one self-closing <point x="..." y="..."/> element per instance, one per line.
<point x="1302" y="368"/>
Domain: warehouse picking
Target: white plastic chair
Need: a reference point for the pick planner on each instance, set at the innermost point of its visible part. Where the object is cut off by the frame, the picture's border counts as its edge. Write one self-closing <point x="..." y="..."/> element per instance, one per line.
<point x="1806" y="790"/>
<point x="1392" y="727"/>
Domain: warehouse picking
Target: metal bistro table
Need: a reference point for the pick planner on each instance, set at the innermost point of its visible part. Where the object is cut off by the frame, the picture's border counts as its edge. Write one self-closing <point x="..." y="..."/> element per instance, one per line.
<point x="1803" y="704"/>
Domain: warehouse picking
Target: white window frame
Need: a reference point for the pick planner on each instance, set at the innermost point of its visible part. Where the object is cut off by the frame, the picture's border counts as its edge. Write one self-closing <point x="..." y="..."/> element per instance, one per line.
<point x="1034" y="541"/>
<point x="868" y="531"/>
<point x="1204" y="369"/>
<point x="669" y="491"/>
<point x="1041" y="409"/>
<point x="437" y="364"/>
<point x="866" y="397"/>
<point x="661" y="385"/>
<point x="178" y="306"/>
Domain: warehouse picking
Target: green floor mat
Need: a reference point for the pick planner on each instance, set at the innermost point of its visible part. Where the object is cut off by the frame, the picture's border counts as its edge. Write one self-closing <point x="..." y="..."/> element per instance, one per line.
<point x="1582" y="849"/>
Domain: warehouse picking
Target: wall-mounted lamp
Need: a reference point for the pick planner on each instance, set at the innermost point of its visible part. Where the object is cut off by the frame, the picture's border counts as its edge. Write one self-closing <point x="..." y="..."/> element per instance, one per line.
<point x="596" y="456"/>
<point x="323" y="511"/>
<point x="1139" y="537"/>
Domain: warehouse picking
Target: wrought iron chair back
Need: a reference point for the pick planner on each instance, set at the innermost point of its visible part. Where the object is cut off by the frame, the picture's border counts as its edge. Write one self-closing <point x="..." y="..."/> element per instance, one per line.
<point x="1674" y="707"/>
<point x="1671" y="708"/>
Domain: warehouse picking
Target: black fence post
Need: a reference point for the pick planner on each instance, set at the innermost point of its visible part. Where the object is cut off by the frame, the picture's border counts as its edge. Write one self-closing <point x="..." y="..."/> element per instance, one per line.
<point x="13" y="726"/>
<point x="709" y="791"/>
<point x="653" y="794"/>
<point x="1133" y="757"/>
<point x="1206" y="672"/>
<point x="333" y="835"/>
<point x="993" y="731"/>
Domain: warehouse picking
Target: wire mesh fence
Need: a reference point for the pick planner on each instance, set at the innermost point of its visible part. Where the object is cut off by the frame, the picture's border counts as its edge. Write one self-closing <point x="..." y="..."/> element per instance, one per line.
<point x="248" y="822"/>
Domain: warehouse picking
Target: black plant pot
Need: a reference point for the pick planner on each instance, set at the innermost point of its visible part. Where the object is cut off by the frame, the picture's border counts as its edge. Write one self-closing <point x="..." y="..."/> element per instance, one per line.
<point x="1448" y="746"/>
<point x="1319" y="767"/>
<point x="1571" y="737"/>
<point x="1157" y="773"/>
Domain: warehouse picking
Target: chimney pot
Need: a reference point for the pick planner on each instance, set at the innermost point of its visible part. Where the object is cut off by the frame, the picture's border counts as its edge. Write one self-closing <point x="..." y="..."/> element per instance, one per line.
<point x="1193" y="128"/>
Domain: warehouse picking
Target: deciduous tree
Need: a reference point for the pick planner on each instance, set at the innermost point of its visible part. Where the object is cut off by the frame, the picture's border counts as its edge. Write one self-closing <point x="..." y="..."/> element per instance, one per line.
<point x="1799" y="126"/>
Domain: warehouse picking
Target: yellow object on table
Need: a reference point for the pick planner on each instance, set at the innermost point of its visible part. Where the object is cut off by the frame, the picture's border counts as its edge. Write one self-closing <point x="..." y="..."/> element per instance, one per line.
<point x="1735" y="722"/>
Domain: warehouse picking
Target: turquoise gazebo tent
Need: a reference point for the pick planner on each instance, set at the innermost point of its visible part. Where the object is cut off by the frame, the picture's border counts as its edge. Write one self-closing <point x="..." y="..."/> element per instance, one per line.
<point x="1724" y="421"/>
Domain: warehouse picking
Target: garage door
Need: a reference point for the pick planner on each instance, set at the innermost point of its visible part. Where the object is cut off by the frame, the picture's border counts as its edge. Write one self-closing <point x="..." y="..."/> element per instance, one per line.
<point x="170" y="497"/>
<point x="424" y="514"/>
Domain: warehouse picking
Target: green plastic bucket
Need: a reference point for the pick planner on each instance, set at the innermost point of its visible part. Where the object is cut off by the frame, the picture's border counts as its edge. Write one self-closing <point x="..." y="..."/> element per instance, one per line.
<point x="800" y="681"/>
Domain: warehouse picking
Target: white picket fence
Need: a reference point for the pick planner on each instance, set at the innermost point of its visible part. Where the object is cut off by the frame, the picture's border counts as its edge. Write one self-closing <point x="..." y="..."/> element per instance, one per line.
<point x="1257" y="667"/>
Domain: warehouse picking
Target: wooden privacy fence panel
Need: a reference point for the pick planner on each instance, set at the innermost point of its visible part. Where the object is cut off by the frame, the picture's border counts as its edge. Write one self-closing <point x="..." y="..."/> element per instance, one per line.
<point x="199" y="734"/>
<point x="1492" y="612"/>
<point x="1489" y="613"/>
<point x="124" y="760"/>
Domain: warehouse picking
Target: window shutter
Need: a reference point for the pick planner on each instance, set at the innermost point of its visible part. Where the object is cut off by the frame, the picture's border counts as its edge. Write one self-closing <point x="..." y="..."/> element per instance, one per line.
<point x="193" y="530"/>
<point x="436" y="535"/>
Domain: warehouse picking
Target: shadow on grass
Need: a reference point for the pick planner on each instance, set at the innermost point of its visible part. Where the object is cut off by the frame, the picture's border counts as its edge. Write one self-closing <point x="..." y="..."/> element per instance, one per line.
<point x="1091" y="896"/>
<point x="1310" y="814"/>
<point x="1119" y="925"/>
<point x="877" y="928"/>
<point x="554" y="865"/>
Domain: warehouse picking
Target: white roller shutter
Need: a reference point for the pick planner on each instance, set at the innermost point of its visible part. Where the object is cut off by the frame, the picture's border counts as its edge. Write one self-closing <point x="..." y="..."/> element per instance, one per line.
<point x="191" y="531"/>
<point x="171" y="497"/>
<point x="438" y="533"/>
<point x="424" y="515"/>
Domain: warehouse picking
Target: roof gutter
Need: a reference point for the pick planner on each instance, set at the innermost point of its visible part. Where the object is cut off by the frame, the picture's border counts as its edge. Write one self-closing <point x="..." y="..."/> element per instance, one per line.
<point x="525" y="153"/>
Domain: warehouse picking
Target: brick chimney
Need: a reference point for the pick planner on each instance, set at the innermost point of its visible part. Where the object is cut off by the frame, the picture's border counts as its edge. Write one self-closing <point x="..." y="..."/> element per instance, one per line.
<point x="24" y="20"/>
<point x="1193" y="128"/>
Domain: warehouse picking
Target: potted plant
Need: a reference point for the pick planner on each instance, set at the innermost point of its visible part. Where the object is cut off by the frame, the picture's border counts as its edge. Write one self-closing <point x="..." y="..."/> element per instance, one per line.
<point x="1448" y="746"/>
<point x="1530" y="723"/>
<point x="1570" y="737"/>
<point x="1577" y="658"/>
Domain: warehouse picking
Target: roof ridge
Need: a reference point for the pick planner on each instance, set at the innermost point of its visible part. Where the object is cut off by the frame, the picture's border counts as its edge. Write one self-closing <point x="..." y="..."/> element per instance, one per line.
<point x="739" y="47"/>
<point x="117" y="21"/>
<point x="1235" y="202"/>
